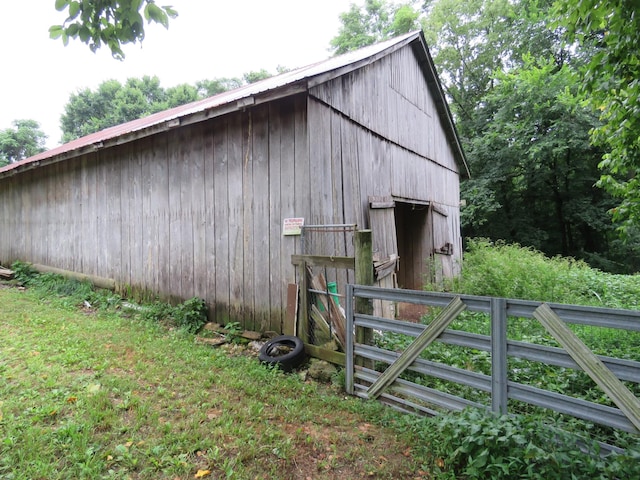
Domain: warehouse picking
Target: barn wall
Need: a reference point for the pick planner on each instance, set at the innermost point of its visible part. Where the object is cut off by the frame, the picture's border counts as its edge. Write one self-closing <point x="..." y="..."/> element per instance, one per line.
<point x="391" y="98"/>
<point x="196" y="211"/>
<point x="389" y="141"/>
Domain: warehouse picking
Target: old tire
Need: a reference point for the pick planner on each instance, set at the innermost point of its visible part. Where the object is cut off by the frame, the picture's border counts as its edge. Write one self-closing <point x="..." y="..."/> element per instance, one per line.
<point x="284" y="351"/>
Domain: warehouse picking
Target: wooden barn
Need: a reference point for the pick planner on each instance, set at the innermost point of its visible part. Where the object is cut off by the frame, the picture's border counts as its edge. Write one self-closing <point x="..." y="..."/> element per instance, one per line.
<point x="206" y="199"/>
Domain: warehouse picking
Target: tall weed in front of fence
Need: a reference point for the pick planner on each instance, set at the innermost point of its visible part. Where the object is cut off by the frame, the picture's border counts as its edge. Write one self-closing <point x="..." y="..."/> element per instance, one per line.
<point x="499" y="269"/>
<point x="531" y="442"/>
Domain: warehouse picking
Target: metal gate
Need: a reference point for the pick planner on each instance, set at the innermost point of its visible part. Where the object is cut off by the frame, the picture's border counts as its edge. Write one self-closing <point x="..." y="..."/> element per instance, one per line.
<point x="405" y="379"/>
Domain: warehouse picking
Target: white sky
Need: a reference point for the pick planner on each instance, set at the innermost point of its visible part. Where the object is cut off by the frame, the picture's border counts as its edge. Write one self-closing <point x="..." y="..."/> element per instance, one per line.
<point x="209" y="39"/>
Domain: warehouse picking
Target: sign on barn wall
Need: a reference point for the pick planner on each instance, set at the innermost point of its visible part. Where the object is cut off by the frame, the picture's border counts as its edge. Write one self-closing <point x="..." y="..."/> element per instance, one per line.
<point x="292" y="226"/>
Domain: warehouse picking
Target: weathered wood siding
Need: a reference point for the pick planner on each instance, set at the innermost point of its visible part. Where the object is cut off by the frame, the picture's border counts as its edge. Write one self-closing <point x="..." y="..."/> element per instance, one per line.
<point x="194" y="212"/>
<point x="198" y="210"/>
<point x="388" y="140"/>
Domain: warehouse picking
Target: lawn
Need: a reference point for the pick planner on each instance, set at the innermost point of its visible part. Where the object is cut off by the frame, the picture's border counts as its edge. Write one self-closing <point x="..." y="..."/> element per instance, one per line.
<point x="97" y="394"/>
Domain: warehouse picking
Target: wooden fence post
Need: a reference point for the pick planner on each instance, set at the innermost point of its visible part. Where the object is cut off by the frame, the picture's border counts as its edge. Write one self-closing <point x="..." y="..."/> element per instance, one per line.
<point x="364" y="276"/>
<point x="303" y="318"/>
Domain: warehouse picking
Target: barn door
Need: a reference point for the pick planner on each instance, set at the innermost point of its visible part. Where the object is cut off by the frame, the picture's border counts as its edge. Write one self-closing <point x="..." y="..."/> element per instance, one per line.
<point x="442" y="253"/>
<point x="385" y="248"/>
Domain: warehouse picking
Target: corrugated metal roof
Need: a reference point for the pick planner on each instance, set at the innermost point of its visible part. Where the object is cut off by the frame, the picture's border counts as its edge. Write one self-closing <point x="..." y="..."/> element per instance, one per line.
<point x="164" y="120"/>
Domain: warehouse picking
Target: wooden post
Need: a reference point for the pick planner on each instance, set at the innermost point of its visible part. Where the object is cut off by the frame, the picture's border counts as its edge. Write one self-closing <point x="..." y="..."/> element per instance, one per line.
<point x="364" y="276"/>
<point x="303" y="318"/>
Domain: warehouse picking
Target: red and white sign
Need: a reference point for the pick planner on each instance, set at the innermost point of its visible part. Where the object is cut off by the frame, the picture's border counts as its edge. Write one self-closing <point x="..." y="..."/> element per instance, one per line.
<point x="292" y="226"/>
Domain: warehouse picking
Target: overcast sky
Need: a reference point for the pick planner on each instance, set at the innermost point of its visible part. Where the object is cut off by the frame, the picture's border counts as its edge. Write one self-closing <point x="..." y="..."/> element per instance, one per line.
<point x="209" y="39"/>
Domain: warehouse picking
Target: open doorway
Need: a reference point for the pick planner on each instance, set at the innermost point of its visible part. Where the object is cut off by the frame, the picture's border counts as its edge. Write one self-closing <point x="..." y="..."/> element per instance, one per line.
<point x="414" y="244"/>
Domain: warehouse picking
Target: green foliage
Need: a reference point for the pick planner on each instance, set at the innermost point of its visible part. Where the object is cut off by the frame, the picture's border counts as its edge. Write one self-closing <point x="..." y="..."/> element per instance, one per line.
<point x="191" y="315"/>
<point x="372" y="22"/>
<point x="23" y="272"/>
<point x="475" y="444"/>
<point x="24" y="140"/>
<point x="533" y="166"/>
<point x="609" y="33"/>
<point x="112" y="22"/>
<point x="114" y="103"/>
<point x="188" y="316"/>
<point x="512" y="271"/>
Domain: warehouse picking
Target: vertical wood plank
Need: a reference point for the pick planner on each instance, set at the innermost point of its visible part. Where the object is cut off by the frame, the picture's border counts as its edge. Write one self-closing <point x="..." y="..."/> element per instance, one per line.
<point x="175" y="213"/>
<point x="160" y="203"/>
<point x="288" y="208"/>
<point x="275" y="319"/>
<point x="198" y="206"/>
<point x="224" y="235"/>
<point x="260" y="241"/>
<point x="302" y="162"/>
<point x="209" y="260"/>
<point x="126" y="214"/>
<point x="187" y="214"/>
<point x="236" y="217"/>
<point x="136" y="217"/>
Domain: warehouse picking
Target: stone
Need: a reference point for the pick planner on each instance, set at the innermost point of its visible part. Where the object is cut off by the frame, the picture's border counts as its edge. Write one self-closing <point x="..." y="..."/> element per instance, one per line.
<point x="321" y="371"/>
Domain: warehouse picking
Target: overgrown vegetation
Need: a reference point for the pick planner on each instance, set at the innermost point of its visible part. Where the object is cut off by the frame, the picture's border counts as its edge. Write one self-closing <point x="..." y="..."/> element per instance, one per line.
<point x="189" y="316"/>
<point x="109" y="392"/>
<point x="475" y="444"/>
<point x="512" y="271"/>
<point x="531" y="442"/>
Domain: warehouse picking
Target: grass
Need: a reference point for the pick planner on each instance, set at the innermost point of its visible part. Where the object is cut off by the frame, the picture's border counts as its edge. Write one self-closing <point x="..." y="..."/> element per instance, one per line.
<point x="95" y="394"/>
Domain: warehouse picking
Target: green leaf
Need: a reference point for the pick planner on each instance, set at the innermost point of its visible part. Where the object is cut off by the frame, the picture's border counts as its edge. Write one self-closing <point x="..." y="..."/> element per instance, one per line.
<point x="72" y="30"/>
<point x="74" y="9"/>
<point x="55" y="31"/>
<point x="156" y="14"/>
<point x="85" y="34"/>
<point x="170" y="11"/>
<point x="61" y="4"/>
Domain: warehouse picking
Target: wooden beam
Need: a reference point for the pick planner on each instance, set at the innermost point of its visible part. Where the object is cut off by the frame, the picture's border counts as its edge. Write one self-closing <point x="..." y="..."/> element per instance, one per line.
<point x="626" y="401"/>
<point x="337" y="358"/>
<point x="100" y="282"/>
<point x="413" y="351"/>
<point x="323" y="261"/>
<point x="364" y="276"/>
<point x="290" y="324"/>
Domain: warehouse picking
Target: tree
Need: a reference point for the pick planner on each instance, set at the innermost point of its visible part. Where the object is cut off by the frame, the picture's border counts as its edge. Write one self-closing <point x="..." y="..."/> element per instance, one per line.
<point x="610" y="31"/>
<point x="375" y="21"/>
<point x="534" y="157"/>
<point x="113" y="103"/>
<point x="23" y="141"/>
<point x="109" y="22"/>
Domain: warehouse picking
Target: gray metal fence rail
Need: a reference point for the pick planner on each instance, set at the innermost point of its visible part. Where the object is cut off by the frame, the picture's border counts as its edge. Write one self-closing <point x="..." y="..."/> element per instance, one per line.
<point x="407" y="396"/>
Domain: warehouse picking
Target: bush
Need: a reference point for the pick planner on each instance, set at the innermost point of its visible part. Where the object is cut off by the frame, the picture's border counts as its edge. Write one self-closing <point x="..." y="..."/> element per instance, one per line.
<point x="23" y="272"/>
<point x="191" y="315"/>
<point x="512" y="271"/>
<point x="475" y="444"/>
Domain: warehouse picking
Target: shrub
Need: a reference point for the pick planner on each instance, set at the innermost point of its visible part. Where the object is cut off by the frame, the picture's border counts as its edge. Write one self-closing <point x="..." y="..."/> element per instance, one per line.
<point x="476" y="444"/>
<point x="191" y="315"/>
<point x="511" y="271"/>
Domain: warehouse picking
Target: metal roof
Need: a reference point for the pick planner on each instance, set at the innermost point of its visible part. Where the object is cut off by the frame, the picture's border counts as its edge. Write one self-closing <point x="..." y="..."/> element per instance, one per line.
<point x="282" y="85"/>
